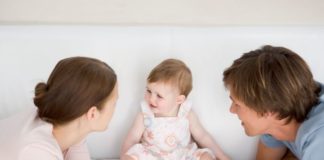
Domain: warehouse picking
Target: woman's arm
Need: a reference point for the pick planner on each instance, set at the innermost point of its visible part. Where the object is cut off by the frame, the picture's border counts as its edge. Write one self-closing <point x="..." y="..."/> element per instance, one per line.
<point x="134" y="135"/>
<point x="203" y="138"/>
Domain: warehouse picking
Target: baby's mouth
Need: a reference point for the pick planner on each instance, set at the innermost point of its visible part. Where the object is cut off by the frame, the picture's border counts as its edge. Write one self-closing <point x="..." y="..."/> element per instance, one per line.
<point x="152" y="106"/>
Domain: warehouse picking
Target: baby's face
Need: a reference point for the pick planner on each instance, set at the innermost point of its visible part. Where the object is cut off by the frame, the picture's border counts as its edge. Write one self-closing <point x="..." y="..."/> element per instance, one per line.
<point x="163" y="98"/>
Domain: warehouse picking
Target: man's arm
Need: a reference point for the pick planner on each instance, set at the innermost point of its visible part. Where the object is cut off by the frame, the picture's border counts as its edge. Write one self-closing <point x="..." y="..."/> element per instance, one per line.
<point x="268" y="153"/>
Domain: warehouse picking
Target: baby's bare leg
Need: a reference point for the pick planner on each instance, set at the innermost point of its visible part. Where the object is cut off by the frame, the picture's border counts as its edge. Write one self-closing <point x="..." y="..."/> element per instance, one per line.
<point x="206" y="156"/>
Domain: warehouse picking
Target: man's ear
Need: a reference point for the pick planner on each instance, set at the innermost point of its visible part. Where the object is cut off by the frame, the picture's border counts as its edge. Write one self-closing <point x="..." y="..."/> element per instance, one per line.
<point x="181" y="99"/>
<point x="92" y="113"/>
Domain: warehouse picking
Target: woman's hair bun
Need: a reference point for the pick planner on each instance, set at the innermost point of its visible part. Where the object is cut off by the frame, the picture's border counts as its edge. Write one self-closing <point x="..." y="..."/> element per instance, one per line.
<point x="40" y="91"/>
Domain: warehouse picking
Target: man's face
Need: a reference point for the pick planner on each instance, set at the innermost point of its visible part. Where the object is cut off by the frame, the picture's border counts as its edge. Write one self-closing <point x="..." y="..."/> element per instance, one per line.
<point x="252" y="122"/>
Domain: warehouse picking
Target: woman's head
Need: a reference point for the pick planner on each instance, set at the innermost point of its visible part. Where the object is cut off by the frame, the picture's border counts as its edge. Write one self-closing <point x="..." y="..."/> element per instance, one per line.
<point x="75" y="85"/>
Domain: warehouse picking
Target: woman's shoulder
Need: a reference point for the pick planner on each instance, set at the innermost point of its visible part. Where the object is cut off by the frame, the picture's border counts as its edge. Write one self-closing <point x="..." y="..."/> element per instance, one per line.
<point x="40" y="150"/>
<point x="38" y="140"/>
<point x="25" y="134"/>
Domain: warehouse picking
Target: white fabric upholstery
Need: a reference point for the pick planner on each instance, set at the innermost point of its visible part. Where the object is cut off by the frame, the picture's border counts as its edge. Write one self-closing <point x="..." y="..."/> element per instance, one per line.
<point x="29" y="53"/>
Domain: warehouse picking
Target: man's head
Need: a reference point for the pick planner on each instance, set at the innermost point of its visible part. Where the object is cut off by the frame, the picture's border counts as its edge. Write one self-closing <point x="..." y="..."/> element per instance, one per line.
<point x="273" y="80"/>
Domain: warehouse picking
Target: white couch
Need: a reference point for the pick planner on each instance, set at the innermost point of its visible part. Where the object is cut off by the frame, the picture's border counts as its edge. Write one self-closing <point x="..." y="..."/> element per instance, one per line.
<point x="28" y="54"/>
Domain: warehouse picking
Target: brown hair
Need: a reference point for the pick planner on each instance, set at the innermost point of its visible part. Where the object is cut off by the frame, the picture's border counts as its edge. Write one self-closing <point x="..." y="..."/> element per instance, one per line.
<point x="75" y="85"/>
<point x="174" y="71"/>
<point x="273" y="79"/>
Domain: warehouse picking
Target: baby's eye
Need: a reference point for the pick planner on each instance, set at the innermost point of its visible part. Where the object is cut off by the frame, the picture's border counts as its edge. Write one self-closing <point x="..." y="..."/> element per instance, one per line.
<point x="159" y="96"/>
<point x="148" y="91"/>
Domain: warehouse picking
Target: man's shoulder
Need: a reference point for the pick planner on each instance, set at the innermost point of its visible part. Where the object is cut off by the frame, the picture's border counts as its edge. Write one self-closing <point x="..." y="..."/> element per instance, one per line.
<point x="312" y="126"/>
<point x="315" y="117"/>
<point x="311" y="143"/>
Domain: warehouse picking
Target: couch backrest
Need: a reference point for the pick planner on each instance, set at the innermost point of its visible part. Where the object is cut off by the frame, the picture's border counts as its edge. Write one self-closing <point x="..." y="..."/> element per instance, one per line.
<point x="29" y="53"/>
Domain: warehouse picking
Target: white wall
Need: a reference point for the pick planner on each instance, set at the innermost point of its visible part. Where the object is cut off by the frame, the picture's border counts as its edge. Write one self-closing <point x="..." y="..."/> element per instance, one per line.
<point x="29" y="53"/>
<point x="163" y="12"/>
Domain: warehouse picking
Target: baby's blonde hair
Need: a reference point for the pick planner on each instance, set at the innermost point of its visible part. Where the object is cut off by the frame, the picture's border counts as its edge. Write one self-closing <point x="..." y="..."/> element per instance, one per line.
<point x="172" y="71"/>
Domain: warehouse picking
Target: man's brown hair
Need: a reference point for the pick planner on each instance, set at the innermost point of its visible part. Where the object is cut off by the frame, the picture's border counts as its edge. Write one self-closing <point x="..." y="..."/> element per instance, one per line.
<point x="273" y="79"/>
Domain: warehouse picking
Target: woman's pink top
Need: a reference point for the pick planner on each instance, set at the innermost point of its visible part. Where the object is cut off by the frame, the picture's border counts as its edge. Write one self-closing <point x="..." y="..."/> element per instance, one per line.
<point x="24" y="136"/>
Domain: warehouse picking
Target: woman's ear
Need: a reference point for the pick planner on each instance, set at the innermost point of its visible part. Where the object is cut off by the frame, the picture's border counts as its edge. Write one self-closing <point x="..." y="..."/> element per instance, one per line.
<point x="181" y="99"/>
<point x="92" y="113"/>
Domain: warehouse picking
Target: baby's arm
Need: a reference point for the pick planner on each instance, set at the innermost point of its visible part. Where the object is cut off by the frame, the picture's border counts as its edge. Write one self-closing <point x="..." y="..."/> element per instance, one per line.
<point x="134" y="135"/>
<point x="203" y="138"/>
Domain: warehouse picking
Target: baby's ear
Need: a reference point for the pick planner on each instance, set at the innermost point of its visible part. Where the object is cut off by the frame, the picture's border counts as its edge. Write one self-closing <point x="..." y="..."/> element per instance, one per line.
<point x="181" y="99"/>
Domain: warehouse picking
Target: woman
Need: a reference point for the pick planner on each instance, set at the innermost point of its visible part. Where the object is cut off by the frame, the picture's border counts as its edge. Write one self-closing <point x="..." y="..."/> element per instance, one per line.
<point x="78" y="98"/>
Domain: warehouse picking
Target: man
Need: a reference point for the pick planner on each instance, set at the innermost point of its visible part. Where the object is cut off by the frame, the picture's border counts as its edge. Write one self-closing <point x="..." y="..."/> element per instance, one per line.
<point x="274" y="95"/>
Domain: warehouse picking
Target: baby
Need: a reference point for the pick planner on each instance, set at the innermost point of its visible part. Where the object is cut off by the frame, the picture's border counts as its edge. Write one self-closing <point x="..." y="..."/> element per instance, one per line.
<point x="167" y="128"/>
